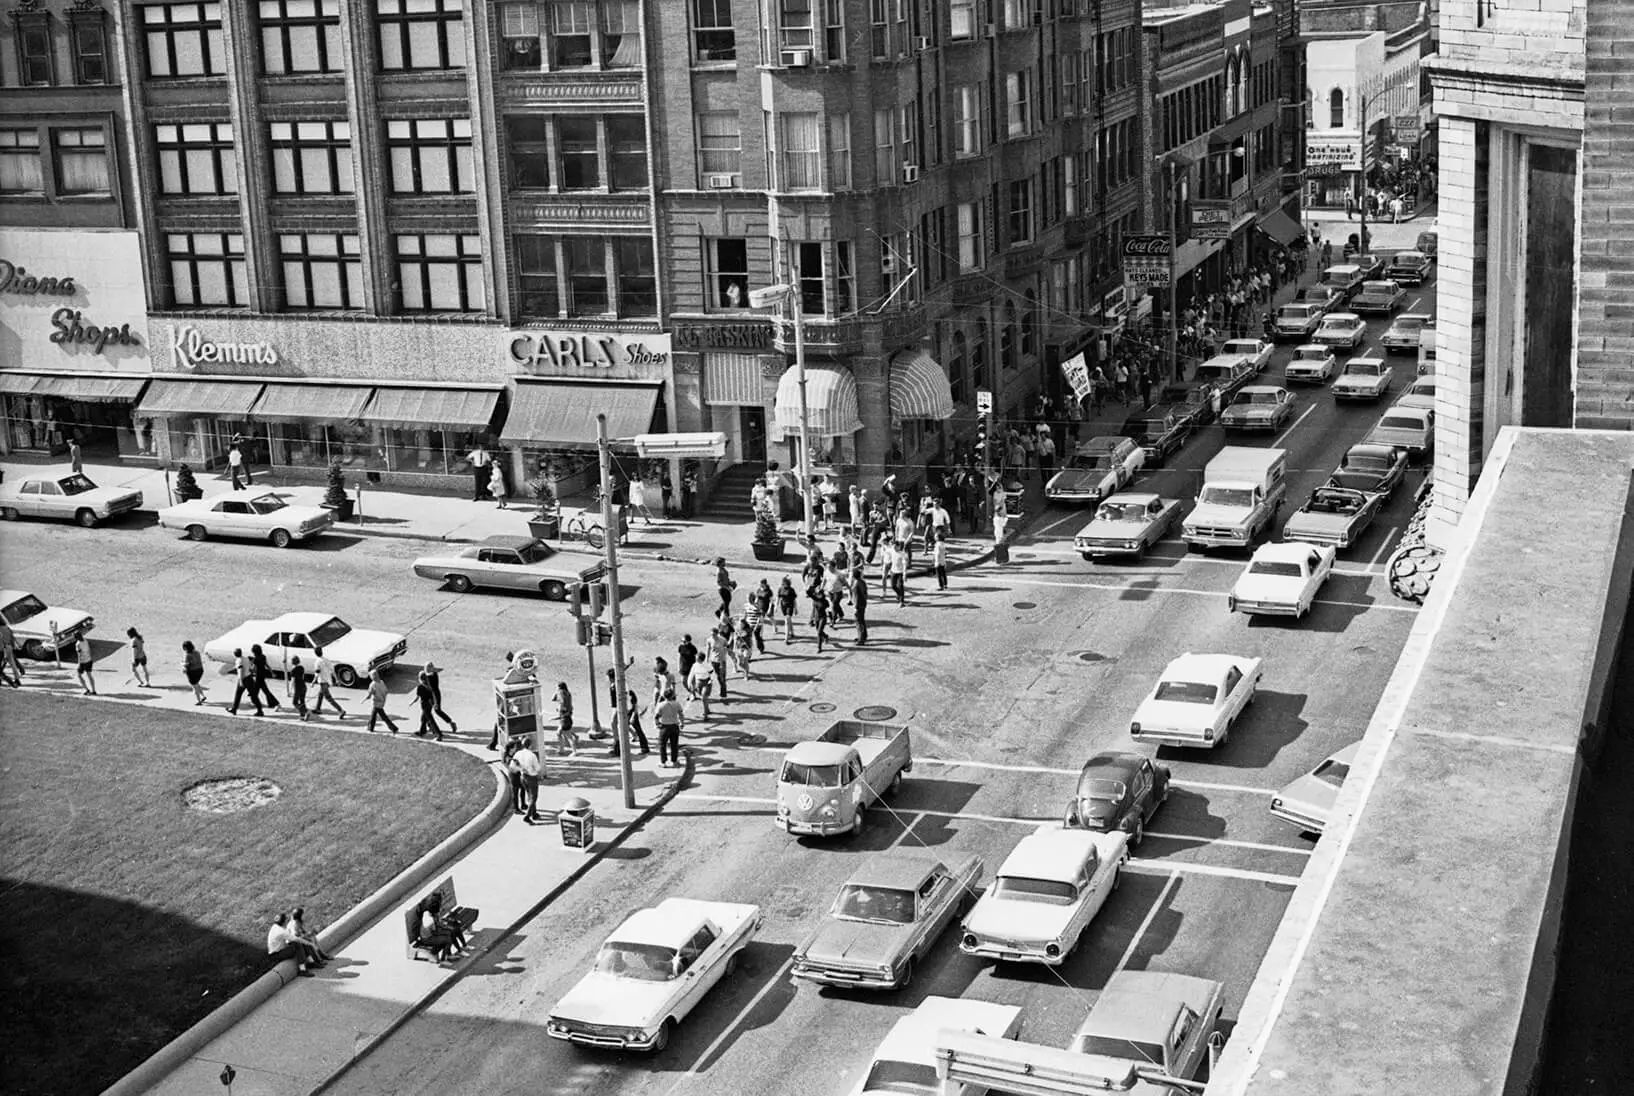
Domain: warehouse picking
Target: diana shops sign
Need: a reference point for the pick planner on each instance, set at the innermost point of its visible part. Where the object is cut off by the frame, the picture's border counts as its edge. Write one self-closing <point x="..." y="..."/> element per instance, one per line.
<point x="16" y="279"/>
<point x="72" y="330"/>
<point x="573" y="352"/>
<point x="192" y="350"/>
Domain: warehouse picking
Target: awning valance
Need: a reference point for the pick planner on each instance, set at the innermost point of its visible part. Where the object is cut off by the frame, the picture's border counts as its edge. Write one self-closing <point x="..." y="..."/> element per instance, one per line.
<point x="564" y="415"/>
<point x="733" y="380"/>
<point x="442" y="408"/>
<point x="92" y="389"/>
<point x="919" y="388"/>
<point x="227" y="399"/>
<point x="831" y="403"/>
<point x="1279" y="226"/>
<point x="19" y="384"/>
<point x="303" y="402"/>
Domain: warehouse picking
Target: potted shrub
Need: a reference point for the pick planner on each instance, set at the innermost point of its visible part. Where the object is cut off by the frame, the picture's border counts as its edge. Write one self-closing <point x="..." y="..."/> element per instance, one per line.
<point x="546" y="520"/>
<point x="187" y="485"/>
<point x="334" y="495"/>
<point x="768" y="539"/>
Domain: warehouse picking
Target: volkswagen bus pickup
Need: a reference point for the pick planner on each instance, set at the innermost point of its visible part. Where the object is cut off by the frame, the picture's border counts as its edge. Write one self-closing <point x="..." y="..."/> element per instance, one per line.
<point x="825" y="786"/>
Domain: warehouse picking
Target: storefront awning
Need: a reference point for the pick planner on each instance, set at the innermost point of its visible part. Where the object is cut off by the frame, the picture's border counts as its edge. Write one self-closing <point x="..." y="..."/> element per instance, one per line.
<point x="226" y="399"/>
<point x="18" y="384"/>
<point x="303" y="402"/>
<point x="564" y="415"/>
<point x="919" y="388"/>
<point x="831" y="403"/>
<point x="442" y="408"/>
<point x="1280" y="227"/>
<point x="91" y="389"/>
<point x="733" y="380"/>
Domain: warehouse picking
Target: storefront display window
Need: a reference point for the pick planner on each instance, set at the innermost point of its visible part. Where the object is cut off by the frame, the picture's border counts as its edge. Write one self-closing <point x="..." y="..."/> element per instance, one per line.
<point x="45" y="424"/>
<point x="201" y="442"/>
<point x="429" y="451"/>
<point x="319" y="444"/>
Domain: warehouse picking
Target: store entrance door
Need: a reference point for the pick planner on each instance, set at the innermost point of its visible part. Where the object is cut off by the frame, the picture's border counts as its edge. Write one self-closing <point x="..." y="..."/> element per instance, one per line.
<point x="752" y="434"/>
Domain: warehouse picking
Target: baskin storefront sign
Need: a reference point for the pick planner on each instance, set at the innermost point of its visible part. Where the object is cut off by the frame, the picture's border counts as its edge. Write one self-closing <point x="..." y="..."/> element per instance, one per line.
<point x="578" y="354"/>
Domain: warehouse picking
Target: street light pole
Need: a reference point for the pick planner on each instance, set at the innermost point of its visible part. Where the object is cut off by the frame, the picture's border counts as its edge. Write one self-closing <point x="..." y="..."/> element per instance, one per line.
<point x="621" y="693"/>
<point x="805" y="419"/>
<point x="1174" y="285"/>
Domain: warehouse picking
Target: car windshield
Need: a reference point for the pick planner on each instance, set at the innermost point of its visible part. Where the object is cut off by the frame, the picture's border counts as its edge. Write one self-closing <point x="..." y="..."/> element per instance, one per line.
<point x="877" y="905"/>
<point x="1186" y="692"/>
<point x="1338" y="325"/>
<point x="1276" y="568"/>
<point x="1091" y="461"/>
<point x="1295" y="312"/>
<point x="267" y="504"/>
<point x="1019" y="888"/>
<point x="1407" y="327"/>
<point x="1366" y="463"/>
<point x="1379" y="287"/>
<point x="1256" y="397"/>
<point x="1303" y="355"/>
<point x="22" y="609"/>
<point x="1109" y="791"/>
<point x="1121" y="511"/>
<point x="76" y="485"/>
<point x="1362" y="369"/>
<point x="1356" y="481"/>
<point x="1227" y="496"/>
<point x="1242" y="346"/>
<point x="1422" y="388"/>
<point x="811" y="776"/>
<point x="537" y="552"/>
<point x="1332" y="772"/>
<point x="640" y="962"/>
<point x="908" y="1078"/>
<point x="1401" y="422"/>
<point x="330" y="631"/>
<point x="1125" y="1050"/>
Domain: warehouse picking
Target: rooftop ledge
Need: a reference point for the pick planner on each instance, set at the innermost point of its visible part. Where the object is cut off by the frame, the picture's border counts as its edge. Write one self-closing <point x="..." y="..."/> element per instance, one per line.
<point x="1418" y="952"/>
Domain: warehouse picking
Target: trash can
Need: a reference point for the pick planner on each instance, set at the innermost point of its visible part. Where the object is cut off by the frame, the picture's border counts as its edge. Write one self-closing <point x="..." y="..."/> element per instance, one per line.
<point x="578" y="822"/>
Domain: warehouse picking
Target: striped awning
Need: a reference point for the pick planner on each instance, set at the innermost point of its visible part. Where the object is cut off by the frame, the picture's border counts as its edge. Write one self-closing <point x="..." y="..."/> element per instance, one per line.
<point x="305" y="402"/>
<point x="562" y="415"/>
<point x="831" y="403"/>
<point x="91" y="389"/>
<point x="444" y="408"/>
<point x="733" y="380"/>
<point x="226" y="399"/>
<point x="19" y="384"/>
<point x="919" y="388"/>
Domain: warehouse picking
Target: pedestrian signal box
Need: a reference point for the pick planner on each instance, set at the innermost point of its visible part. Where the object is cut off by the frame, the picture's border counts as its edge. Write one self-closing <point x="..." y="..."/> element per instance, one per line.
<point x="587" y="601"/>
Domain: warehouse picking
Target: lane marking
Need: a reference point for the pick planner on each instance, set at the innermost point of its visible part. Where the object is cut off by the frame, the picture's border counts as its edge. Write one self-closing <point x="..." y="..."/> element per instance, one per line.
<point x="1242" y="788"/>
<point x="1228" y="843"/>
<point x="777" y="981"/>
<point x="1392" y="537"/>
<point x="1192" y="591"/>
<point x="1184" y="867"/>
<point x="1146" y="922"/>
<point x="1278" y="439"/>
<point x="997" y="766"/>
<point x="1071" y="516"/>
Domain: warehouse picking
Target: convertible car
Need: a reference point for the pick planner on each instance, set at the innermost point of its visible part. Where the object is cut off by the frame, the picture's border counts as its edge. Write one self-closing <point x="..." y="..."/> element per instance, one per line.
<point x="1333" y="516"/>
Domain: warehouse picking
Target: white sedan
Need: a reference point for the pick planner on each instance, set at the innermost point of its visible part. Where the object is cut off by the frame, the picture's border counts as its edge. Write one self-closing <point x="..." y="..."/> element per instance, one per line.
<point x="42" y="631"/>
<point x="1341" y="329"/>
<point x="1097" y="468"/>
<point x="72" y="497"/>
<point x="1196" y="700"/>
<point x="1046" y="892"/>
<point x="264" y="517"/>
<point x="1256" y="352"/>
<point x="905" y="1063"/>
<point x="352" y="651"/>
<point x="1311" y="363"/>
<point x="1282" y="579"/>
<point x="1363" y="379"/>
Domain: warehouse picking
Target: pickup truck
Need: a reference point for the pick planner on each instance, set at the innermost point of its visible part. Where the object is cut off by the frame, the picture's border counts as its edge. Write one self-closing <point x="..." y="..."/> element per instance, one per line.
<point x="653" y="970"/>
<point x="826" y="786"/>
<point x="1154" y="1026"/>
<point x="1243" y="488"/>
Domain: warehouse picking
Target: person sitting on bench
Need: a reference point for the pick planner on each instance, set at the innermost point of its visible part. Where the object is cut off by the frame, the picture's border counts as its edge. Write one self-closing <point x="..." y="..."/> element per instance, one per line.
<point x="436" y="934"/>
<point x="448" y="922"/>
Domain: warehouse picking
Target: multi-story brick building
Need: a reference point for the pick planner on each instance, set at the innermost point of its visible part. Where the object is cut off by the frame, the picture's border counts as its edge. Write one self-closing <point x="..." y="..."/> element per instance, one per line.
<point x="73" y="333"/>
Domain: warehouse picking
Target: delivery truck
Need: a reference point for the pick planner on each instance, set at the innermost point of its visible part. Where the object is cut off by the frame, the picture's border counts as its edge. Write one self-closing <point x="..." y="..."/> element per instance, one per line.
<point x="827" y="785"/>
<point x="1243" y="488"/>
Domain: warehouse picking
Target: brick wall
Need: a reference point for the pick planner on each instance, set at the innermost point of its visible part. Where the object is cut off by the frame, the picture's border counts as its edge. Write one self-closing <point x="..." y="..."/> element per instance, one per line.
<point x="1605" y="316"/>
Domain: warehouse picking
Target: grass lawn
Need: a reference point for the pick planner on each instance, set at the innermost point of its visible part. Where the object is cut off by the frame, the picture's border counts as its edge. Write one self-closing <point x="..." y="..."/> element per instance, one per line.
<point x="128" y="916"/>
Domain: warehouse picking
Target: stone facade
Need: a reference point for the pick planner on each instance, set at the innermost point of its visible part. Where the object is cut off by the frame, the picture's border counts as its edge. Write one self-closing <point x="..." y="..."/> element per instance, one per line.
<point x="1605" y="317"/>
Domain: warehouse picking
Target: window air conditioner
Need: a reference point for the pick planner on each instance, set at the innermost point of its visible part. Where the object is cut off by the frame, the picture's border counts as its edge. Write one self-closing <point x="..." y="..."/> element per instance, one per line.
<point x="910" y="173"/>
<point x="991" y="31"/>
<point x="721" y="182"/>
<point x="796" y="58"/>
<point x="921" y="42"/>
<point x="887" y="262"/>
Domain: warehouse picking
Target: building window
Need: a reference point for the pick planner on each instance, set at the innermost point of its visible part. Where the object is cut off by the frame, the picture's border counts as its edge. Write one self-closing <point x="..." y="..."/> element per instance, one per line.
<point x="528" y="146"/>
<point x="183" y="40"/>
<point x="536" y="273"/>
<point x="967" y="120"/>
<point x="713" y="36"/>
<point x="585" y="260"/>
<point x="728" y="273"/>
<point x="439" y="273"/>
<point x="720" y="149"/>
<point x="885" y="161"/>
<point x="627" y="146"/>
<point x="196" y="159"/>
<point x="311" y="157"/>
<point x="834" y="30"/>
<point x="581" y="152"/>
<point x="897" y="262"/>
<point x="20" y="170"/>
<point x="300" y="36"/>
<point x="1336" y="109"/>
<point x="1021" y="212"/>
<point x="207" y="270"/>
<point x="82" y="161"/>
<point x="839" y="152"/>
<point x="1018" y="103"/>
<point x="907" y="119"/>
<point x="34" y="61"/>
<point x="637" y="277"/>
<point x="1069" y="84"/>
<point x="88" y="41"/>
<point x="796" y="24"/>
<point x="809" y="278"/>
<point x="845" y="278"/>
<point x="971" y="237"/>
<point x="421" y="34"/>
<point x="802" y="153"/>
<point x="602" y="276"/>
<point x="322" y="270"/>
<point x="884" y="28"/>
<point x="431" y="156"/>
<point x="964" y="18"/>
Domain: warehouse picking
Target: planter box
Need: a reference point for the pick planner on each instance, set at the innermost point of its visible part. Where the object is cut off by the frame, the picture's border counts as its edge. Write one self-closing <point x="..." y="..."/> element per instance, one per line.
<point x="548" y="527"/>
<point x="769" y="553"/>
<point x="184" y="494"/>
<point x="343" y="512"/>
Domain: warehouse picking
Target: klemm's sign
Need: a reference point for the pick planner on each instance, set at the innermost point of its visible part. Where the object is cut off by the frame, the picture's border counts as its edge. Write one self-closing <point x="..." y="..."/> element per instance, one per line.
<point x="1147" y="260"/>
<point x="193" y="350"/>
<point x="578" y="352"/>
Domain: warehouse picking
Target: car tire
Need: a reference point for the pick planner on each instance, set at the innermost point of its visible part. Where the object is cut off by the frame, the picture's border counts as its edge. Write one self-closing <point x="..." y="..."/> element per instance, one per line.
<point x="460" y="584"/>
<point x="555" y="591"/>
<point x="896" y="781"/>
<point x="730" y="966"/>
<point x="280" y="538"/>
<point x="196" y="532"/>
<point x="85" y="516"/>
<point x="8" y="513"/>
<point x="861" y="823"/>
<point x="665" y="1030"/>
<point x="345" y="676"/>
<point x="36" y="650"/>
<point x="1136" y="838"/>
<point x="907" y="974"/>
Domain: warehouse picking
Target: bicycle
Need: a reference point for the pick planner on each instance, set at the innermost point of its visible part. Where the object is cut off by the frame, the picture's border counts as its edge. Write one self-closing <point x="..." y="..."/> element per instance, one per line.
<point x="591" y="530"/>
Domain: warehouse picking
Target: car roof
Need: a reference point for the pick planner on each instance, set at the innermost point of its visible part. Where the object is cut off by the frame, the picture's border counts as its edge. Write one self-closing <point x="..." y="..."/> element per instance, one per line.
<point x="1250" y="342"/>
<point x="1314" y="346"/>
<point x="1104" y="441"/>
<point x="1365" y="359"/>
<point x="1209" y="666"/>
<point x="1407" y="409"/>
<point x="1376" y="282"/>
<point x="514" y="543"/>
<point x="1290" y="550"/>
<point x="1421" y="317"/>
<point x="1343" y="266"/>
<point x="1050" y="852"/>
<point x="1113" y="765"/>
<point x="1347" y="316"/>
<point x="1140" y="1005"/>
<point x="666" y="927"/>
<point x="904" y="870"/>
<point x="1259" y="388"/>
<point x="299" y="620"/>
<point x="820" y="753"/>
<point x="1411" y="253"/>
<point x="9" y="596"/>
<point x="1346" y="755"/>
<point x="1372" y="449"/>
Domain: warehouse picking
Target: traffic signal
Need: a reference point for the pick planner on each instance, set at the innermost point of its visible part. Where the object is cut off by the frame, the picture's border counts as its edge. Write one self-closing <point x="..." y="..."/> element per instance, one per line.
<point x="584" y="631"/>
<point x="604" y="633"/>
<point x="982" y="443"/>
<point x="588" y="599"/>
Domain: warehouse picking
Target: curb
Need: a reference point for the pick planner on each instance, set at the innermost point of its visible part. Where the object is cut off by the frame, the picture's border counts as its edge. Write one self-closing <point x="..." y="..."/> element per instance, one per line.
<point x="508" y="931"/>
<point x="170" y="1057"/>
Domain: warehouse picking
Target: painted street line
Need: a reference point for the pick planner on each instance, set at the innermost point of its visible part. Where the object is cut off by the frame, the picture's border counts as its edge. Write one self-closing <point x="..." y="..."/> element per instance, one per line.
<point x="1390" y="542"/>
<point x="1181" y="867"/>
<point x="1062" y="521"/>
<point x="1146" y="922"/>
<point x="1228" y="843"/>
<point x="1278" y="439"/>
<point x="777" y="981"/>
<point x="1148" y="590"/>
<point x="1243" y="788"/>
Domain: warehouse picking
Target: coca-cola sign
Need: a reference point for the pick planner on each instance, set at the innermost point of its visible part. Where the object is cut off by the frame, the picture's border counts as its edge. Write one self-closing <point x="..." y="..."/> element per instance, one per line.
<point x="1147" y="245"/>
<point x="1147" y="260"/>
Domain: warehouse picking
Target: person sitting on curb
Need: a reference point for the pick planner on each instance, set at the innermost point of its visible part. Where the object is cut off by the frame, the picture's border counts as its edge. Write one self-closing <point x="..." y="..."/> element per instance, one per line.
<point x="298" y="929"/>
<point x="282" y="944"/>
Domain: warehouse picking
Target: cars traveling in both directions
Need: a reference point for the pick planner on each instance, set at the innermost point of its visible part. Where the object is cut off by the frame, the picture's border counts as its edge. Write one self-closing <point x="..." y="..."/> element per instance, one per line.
<point x="1282" y="579"/>
<point x="1118" y="790"/>
<point x="1378" y="297"/>
<point x="1258" y="407"/>
<point x="32" y="623"/>
<point x="1312" y="363"/>
<point x="506" y="563"/>
<point x="1373" y="469"/>
<point x="886" y="918"/>
<point x="1046" y="892"/>
<point x="905" y="1062"/>
<point x="1409" y="428"/>
<point x="1344" y="329"/>
<point x="1127" y="524"/>
<point x="1335" y="516"/>
<point x="72" y="497"/>
<point x="1197" y="700"/>
<point x="1402" y="336"/>
<point x="1307" y="803"/>
<point x="1097" y="468"/>
<point x="1363" y="379"/>
<point x="261" y="517"/>
<point x="353" y="652"/>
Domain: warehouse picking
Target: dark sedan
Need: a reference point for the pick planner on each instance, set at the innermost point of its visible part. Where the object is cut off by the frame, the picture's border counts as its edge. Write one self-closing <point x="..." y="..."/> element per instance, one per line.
<point x="1118" y="791"/>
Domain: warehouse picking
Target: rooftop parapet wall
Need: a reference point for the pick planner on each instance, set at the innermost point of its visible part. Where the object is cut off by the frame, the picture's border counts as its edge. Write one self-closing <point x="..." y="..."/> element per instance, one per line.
<point x="1417" y="954"/>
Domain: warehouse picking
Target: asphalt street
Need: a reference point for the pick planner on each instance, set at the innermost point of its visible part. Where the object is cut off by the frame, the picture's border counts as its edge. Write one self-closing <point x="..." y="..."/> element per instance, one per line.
<point x="1009" y="679"/>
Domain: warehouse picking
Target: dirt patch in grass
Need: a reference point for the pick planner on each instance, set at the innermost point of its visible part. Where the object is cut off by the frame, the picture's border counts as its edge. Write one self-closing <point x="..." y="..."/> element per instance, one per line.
<point x="128" y="915"/>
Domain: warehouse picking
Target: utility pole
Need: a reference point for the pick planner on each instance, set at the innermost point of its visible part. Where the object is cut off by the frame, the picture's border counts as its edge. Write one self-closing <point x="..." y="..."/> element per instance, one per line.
<point x="621" y="692"/>
<point x="1174" y="283"/>
<point x="1361" y="173"/>
<point x="800" y="378"/>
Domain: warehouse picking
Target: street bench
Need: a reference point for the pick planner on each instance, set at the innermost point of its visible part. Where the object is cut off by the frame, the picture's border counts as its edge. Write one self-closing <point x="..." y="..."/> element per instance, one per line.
<point x="448" y="908"/>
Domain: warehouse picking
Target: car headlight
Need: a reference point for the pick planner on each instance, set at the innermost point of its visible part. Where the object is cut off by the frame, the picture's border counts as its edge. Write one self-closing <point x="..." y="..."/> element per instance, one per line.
<point x="1052" y="949"/>
<point x="828" y="811"/>
<point x="782" y="810"/>
<point x="969" y="940"/>
<point x="1131" y="544"/>
<point x="1208" y="734"/>
<point x="1134" y="728"/>
<point x="1231" y="603"/>
<point x="1276" y="803"/>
